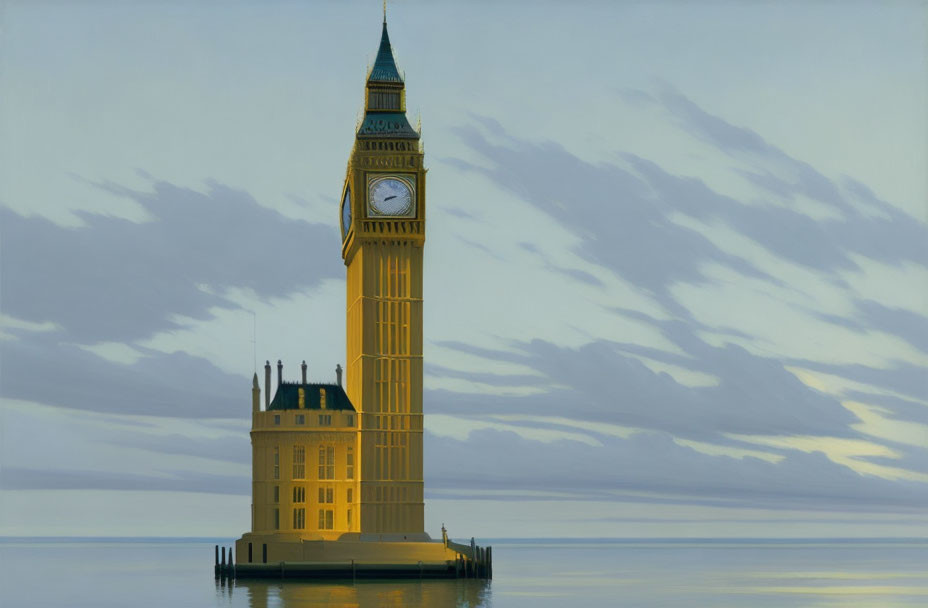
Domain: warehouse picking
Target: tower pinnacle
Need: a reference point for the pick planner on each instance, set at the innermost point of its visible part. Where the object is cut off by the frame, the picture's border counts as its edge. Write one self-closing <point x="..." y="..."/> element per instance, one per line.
<point x="384" y="69"/>
<point x="385" y="97"/>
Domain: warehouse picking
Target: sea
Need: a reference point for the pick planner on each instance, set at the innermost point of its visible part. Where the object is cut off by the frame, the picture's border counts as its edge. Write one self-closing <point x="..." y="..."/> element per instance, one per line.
<point x="142" y="573"/>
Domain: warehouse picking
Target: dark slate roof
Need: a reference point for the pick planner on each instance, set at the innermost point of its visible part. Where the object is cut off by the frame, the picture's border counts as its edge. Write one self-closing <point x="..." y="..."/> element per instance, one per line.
<point x="387" y="124"/>
<point x="287" y="397"/>
<point x="384" y="69"/>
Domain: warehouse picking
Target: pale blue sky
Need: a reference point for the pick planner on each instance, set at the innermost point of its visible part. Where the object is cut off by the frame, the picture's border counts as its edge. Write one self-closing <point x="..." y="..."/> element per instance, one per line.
<point x="676" y="271"/>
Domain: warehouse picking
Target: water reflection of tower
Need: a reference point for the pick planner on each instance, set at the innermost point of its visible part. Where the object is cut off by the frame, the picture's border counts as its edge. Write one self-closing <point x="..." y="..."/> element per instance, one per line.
<point x="461" y="593"/>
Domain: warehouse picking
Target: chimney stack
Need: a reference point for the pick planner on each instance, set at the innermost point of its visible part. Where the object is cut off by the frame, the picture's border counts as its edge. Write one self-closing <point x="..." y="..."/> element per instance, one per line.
<point x="338" y="373"/>
<point x="267" y="385"/>
<point x="255" y="395"/>
<point x="280" y="373"/>
<point x="303" y="367"/>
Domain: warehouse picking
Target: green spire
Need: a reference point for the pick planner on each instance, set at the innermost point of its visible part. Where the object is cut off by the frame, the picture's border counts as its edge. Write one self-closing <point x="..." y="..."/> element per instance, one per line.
<point x="385" y="66"/>
<point x="385" y="107"/>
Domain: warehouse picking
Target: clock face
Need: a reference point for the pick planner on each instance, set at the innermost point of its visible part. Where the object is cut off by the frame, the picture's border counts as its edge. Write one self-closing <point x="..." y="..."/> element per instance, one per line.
<point x="391" y="196"/>
<point x="346" y="212"/>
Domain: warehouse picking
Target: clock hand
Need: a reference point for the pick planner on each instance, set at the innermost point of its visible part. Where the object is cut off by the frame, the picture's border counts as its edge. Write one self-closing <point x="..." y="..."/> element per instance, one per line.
<point x="389" y="197"/>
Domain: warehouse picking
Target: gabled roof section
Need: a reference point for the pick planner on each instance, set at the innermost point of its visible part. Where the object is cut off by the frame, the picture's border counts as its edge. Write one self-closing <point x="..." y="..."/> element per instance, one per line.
<point x="287" y="397"/>
<point x="384" y="69"/>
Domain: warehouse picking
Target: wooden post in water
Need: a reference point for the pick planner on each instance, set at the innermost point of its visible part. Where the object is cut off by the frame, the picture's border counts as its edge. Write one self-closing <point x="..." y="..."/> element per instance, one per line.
<point x="231" y="565"/>
<point x="222" y="564"/>
<point x="489" y="563"/>
<point x="216" y="563"/>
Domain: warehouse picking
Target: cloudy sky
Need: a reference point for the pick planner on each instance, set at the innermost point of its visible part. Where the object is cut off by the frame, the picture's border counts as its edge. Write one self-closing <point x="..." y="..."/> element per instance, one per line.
<point x="676" y="270"/>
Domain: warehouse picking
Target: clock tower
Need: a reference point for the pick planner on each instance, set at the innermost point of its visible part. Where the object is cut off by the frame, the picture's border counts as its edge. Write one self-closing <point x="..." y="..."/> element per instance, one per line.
<point x="383" y="232"/>
<point x="337" y="486"/>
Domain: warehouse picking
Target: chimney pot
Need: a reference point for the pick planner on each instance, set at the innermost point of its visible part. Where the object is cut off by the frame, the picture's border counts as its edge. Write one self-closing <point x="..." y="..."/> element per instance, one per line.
<point x="338" y="373"/>
<point x="280" y="373"/>
<point x="303" y="367"/>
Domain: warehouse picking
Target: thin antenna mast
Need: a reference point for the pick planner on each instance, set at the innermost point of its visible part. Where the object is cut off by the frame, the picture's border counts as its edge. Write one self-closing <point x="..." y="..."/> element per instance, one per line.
<point x="254" y="338"/>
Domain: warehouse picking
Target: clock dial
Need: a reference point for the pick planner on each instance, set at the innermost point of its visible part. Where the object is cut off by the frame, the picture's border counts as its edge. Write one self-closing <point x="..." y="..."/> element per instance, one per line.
<point x="391" y="196"/>
<point x="346" y="212"/>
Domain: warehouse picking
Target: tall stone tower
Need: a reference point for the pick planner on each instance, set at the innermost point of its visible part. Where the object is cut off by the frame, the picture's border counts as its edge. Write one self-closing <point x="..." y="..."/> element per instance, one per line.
<point x="337" y="474"/>
<point x="383" y="231"/>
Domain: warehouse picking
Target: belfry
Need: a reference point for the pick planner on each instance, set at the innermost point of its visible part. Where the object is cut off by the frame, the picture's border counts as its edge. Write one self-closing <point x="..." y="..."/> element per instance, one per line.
<point x="337" y="471"/>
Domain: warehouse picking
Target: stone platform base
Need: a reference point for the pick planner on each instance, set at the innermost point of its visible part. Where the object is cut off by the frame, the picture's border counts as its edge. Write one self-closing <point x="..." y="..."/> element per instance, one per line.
<point x="357" y="556"/>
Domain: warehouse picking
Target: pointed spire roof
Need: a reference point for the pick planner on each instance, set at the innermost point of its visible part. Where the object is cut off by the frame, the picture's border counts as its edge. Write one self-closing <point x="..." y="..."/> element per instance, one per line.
<point x="384" y="69"/>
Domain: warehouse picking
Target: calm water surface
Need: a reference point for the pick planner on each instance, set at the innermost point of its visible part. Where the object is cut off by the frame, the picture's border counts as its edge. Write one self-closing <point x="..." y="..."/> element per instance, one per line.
<point x="574" y="574"/>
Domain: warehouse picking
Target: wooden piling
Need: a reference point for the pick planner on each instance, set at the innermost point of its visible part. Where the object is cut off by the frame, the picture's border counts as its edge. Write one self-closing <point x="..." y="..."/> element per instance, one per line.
<point x="231" y="565"/>
<point x="216" y="563"/>
<point x="489" y="563"/>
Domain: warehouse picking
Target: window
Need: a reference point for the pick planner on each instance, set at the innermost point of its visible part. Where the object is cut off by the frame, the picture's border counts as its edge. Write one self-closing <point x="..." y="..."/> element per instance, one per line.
<point x="349" y="419"/>
<point x="326" y="519"/>
<point x="277" y="519"/>
<point x="299" y="519"/>
<point x="384" y="100"/>
<point x="326" y="462"/>
<point x="276" y="463"/>
<point x="301" y="419"/>
<point x="322" y="398"/>
<point x="349" y="468"/>
<point x="277" y="419"/>
<point x="349" y="523"/>
<point x="276" y="493"/>
<point x="391" y="384"/>
<point x="326" y="496"/>
<point x="299" y="494"/>
<point x="350" y="495"/>
<point x="302" y="398"/>
<point x="325" y="419"/>
<point x="299" y="462"/>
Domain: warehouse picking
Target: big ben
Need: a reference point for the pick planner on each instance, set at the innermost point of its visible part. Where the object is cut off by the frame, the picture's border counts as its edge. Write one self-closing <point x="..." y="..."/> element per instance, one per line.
<point x="383" y="230"/>
<point x="337" y="476"/>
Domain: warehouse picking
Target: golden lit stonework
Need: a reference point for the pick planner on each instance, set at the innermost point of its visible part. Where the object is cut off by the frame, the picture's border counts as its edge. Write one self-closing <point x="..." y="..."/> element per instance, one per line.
<point x="337" y="483"/>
